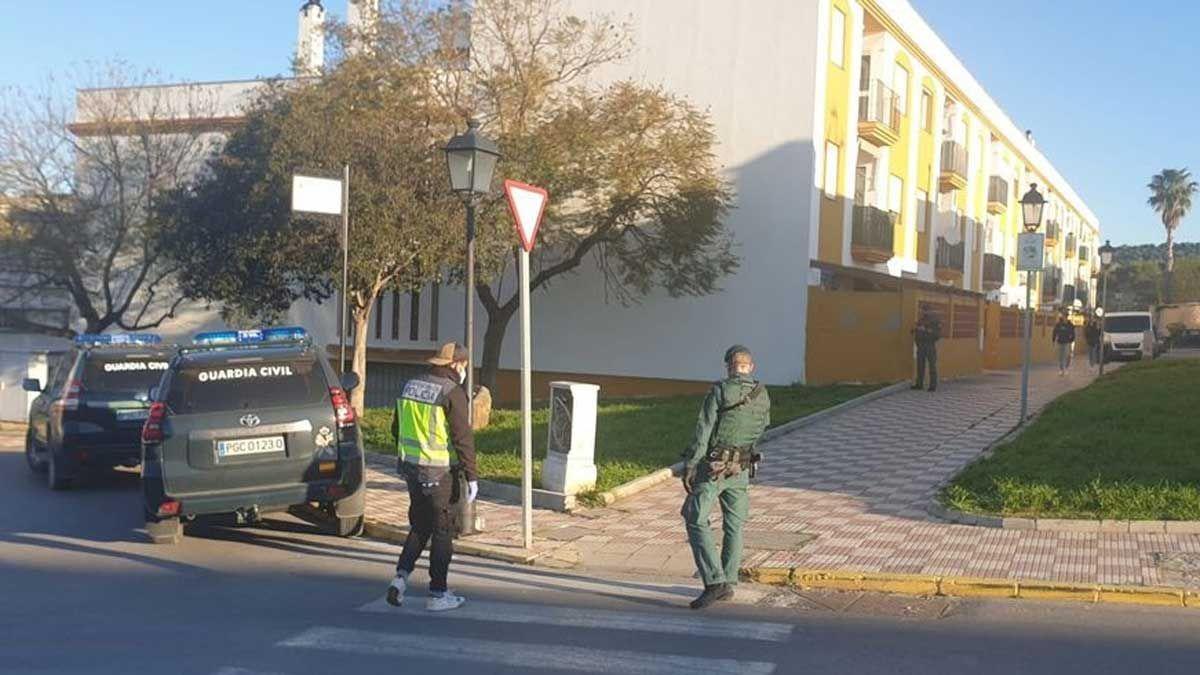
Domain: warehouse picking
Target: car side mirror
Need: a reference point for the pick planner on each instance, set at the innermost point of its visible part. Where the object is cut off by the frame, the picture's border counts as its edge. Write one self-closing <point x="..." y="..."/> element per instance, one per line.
<point x="31" y="384"/>
<point x="350" y="380"/>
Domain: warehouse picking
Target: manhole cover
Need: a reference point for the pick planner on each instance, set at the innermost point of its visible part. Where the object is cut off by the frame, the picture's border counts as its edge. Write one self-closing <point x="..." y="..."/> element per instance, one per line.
<point x="776" y="541"/>
<point x="1178" y="569"/>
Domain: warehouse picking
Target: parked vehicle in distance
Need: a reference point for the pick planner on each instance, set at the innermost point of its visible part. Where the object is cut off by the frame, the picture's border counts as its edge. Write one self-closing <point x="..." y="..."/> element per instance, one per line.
<point x="89" y="413"/>
<point x="1179" y="323"/>
<point x="250" y="422"/>
<point x="1130" y="336"/>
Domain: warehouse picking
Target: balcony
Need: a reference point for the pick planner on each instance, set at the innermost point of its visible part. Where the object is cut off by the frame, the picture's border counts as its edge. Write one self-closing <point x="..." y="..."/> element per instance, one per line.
<point x="1068" y="295"/>
<point x="1069" y="249"/>
<point x="993" y="271"/>
<point x="1051" y="281"/>
<point x="872" y="235"/>
<point x="997" y="195"/>
<point x="879" y="115"/>
<point x="1083" y="254"/>
<point x="954" y="167"/>
<point x="1053" y="232"/>
<point x="948" y="260"/>
<point x="1081" y="294"/>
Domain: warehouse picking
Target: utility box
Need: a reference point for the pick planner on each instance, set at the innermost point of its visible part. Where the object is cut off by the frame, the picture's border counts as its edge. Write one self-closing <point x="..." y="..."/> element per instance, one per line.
<point x="570" y="465"/>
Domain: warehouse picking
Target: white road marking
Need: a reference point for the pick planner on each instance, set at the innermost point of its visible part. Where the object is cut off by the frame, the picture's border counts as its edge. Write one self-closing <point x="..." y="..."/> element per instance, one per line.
<point x="519" y="655"/>
<point x="574" y="617"/>
<point x="231" y="670"/>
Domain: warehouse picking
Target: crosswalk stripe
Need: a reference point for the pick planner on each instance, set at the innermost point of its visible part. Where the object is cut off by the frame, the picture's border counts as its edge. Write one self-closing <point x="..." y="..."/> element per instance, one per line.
<point x="518" y="655"/>
<point x="505" y="612"/>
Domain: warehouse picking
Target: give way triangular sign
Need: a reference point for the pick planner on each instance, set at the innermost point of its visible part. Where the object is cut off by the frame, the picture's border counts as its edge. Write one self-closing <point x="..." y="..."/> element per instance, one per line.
<point x="525" y="203"/>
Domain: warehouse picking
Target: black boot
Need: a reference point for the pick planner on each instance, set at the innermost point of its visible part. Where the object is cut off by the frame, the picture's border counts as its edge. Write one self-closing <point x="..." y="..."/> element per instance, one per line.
<point x="712" y="594"/>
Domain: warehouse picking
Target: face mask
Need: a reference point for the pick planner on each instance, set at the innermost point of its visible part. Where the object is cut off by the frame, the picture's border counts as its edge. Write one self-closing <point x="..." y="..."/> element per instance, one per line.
<point x="462" y="375"/>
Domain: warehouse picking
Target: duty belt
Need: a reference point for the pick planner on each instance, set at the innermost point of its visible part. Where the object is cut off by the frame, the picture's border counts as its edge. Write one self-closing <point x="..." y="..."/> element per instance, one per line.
<point x="726" y="461"/>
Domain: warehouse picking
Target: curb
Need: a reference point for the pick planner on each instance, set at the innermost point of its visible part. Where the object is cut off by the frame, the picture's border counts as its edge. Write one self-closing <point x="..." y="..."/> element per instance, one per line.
<point x="396" y="535"/>
<point x="1067" y="525"/>
<point x="654" y="478"/>
<point x="974" y="587"/>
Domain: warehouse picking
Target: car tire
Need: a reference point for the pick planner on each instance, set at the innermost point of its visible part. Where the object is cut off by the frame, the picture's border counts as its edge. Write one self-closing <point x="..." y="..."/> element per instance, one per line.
<point x="164" y="531"/>
<point x="351" y="526"/>
<point x="55" y="479"/>
<point x="35" y="465"/>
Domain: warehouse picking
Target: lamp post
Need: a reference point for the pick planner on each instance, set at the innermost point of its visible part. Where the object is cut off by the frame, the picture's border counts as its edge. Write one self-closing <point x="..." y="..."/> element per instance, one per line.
<point x="1031" y="214"/>
<point x="471" y="159"/>
<point x="1106" y="256"/>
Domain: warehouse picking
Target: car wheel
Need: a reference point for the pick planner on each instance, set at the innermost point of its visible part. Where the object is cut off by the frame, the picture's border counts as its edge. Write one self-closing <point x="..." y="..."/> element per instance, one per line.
<point x="35" y="464"/>
<point x="55" y="479"/>
<point x="164" y="531"/>
<point x="351" y="526"/>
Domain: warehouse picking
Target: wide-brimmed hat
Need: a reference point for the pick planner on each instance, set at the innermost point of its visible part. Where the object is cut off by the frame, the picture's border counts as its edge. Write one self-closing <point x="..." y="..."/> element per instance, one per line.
<point x="448" y="353"/>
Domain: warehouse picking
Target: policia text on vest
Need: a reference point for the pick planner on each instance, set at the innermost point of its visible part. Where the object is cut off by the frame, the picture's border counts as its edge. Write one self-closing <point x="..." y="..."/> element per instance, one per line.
<point x="436" y="448"/>
<point x="718" y="465"/>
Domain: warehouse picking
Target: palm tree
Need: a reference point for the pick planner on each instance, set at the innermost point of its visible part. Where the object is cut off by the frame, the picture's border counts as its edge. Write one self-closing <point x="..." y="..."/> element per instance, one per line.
<point x="1171" y="196"/>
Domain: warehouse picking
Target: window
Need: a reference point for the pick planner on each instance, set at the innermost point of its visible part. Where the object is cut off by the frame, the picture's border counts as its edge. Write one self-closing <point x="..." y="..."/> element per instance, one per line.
<point x="900" y="84"/>
<point x="414" y="316"/>
<point x="837" y="38"/>
<point x="895" y="193"/>
<point x="926" y="110"/>
<point x="922" y="210"/>
<point x="832" y="153"/>
<point x="395" y="315"/>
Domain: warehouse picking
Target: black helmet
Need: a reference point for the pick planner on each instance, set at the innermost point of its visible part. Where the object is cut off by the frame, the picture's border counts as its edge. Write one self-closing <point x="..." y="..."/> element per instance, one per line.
<point x="734" y="351"/>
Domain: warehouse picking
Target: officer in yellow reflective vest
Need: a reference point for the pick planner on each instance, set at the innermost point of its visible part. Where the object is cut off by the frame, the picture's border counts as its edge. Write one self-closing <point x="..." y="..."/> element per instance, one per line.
<point x="432" y="429"/>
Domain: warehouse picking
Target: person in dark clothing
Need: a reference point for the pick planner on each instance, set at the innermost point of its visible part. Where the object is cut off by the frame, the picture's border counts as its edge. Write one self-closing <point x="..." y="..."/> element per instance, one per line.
<point x="1091" y="333"/>
<point x="926" y="334"/>
<point x="432" y="429"/>
<point x="1064" y="340"/>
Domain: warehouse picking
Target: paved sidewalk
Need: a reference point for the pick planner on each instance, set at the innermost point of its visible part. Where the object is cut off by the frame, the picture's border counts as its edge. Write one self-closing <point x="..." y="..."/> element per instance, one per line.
<point x="860" y="482"/>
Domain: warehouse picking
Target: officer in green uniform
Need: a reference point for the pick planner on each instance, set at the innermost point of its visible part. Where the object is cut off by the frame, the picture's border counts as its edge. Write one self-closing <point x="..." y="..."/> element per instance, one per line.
<point x="718" y="467"/>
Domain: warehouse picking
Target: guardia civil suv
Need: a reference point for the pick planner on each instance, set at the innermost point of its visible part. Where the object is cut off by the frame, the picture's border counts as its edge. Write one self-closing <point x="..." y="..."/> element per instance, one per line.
<point x="89" y="412"/>
<point x="249" y="422"/>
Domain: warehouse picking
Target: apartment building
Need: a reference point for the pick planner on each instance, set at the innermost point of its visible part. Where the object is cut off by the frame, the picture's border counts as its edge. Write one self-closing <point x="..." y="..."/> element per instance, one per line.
<point x="874" y="177"/>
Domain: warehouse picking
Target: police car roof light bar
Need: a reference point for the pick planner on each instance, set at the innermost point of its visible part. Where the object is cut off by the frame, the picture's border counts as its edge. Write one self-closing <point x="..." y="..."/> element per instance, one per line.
<point x="253" y="336"/>
<point x="117" y="339"/>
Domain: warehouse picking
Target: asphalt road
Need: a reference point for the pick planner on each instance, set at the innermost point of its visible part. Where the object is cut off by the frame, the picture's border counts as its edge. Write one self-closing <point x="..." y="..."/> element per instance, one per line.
<point x="83" y="592"/>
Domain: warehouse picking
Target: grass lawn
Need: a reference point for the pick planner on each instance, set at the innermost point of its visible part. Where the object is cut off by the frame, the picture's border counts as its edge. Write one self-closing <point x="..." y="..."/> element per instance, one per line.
<point x="1125" y="448"/>
<point x="633" y="436"/>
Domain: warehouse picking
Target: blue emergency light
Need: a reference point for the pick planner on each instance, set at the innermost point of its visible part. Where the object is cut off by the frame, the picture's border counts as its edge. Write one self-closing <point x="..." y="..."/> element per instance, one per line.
<point x="117" y="339"/>
<point x="250" y="337"/>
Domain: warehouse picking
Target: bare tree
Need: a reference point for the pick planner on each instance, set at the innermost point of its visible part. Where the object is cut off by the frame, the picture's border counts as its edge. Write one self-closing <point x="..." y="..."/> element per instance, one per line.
<point x="83" y="186"/>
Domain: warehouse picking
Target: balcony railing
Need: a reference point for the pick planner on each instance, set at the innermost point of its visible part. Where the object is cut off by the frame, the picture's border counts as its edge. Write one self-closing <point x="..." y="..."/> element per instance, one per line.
<point x="1053" y="231"/>
<point x="1083" y="254"/>
<point x="879" y="114"/>
<point x="997" y="195"/>
<point x="1051" y="281"/>
<point x="954" y="166"/>
<point x="993" y="271"/>
<point x="1068" y="295"/>
<point x="1069" y="249"/>
<point x="872" y="234"/>
<point x="948" y="260"/>
<point x="1081" y="294"/>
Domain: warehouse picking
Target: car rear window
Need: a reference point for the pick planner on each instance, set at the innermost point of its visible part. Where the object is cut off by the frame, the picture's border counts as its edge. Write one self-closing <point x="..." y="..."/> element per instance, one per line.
<point x="247" y="384"/>
<point x="123" y="372"/>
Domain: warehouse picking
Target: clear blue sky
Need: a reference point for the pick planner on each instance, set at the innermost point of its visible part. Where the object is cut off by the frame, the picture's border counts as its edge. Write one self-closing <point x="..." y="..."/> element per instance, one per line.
<point x="1108" y="86"/>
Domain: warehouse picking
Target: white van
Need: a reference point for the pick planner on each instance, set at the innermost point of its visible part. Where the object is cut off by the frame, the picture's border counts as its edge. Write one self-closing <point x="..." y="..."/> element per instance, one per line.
<point x="1129" y="335"/>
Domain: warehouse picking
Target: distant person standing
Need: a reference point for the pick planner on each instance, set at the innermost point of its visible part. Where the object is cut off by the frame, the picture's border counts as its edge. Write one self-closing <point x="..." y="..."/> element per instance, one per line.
<point x="1063" y="337"/>
<point x="1091" y="333"/>
<point x="925" y="335"/>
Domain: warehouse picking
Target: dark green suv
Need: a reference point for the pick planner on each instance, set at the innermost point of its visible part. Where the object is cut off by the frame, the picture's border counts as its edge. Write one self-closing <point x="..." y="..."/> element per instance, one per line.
<point x="249" y="422"/>
<point x="88" y="415"/>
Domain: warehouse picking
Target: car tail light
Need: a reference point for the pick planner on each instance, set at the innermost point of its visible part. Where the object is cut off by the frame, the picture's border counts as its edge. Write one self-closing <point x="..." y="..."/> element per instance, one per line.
<point x="69" y="399"/>
<point x="169" y="508"/>
<point x="152" y="431"/>
<point x="342" y="409"/>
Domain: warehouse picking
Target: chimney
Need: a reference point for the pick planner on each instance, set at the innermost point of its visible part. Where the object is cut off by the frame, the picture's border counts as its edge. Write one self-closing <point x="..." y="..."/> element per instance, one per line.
<point x="361" y="17"/>
<point x="310" y="42"/>
<point x="1029" y="137"/>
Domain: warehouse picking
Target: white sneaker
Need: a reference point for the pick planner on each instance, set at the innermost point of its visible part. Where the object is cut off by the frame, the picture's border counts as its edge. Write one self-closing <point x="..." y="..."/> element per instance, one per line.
<point x="446" y="602"/>
<point x="395" y="594"/>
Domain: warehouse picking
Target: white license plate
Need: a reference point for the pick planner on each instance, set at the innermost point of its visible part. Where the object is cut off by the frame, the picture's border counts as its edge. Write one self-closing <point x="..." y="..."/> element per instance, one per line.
<point x="250" y="446"/>
<point x="128" y="415"/>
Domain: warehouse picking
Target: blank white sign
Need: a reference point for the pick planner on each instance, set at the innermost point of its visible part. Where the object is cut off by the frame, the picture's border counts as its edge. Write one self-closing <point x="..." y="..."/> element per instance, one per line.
<point x="317" y="195"/>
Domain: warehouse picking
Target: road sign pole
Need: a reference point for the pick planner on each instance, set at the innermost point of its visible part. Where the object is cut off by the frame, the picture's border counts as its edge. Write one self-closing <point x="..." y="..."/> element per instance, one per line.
<point x="343" y="309"/>
<point x="1029" y="276"/>
<point x="526" y="409"/>
<point x="470" y="311"/>
<point x="1103" y="318"/>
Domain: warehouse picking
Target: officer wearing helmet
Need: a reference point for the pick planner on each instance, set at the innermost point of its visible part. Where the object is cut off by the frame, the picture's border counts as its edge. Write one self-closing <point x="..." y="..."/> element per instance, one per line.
<point x="718" y="466"/>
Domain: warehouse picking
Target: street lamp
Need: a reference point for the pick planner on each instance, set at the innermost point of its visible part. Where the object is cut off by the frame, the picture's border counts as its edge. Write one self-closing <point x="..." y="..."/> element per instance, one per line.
<point x="471" y="159"/>
<point x="1106" y="256"/>
<point x="1032" y="205"/>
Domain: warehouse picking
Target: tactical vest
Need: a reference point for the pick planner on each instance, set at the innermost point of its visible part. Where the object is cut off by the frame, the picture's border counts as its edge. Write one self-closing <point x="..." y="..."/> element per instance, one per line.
<point x="741" y="417"/>
<point x="424" y="438"/>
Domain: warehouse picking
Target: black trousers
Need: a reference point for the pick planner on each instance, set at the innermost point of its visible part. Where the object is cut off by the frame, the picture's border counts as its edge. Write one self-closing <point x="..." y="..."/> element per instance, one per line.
<point x="431" y="522"/>
<point x="927" y="356"/>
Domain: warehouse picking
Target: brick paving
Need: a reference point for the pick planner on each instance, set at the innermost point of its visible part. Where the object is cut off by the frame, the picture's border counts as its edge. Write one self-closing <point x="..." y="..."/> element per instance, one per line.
<point x="861" y="482"/>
